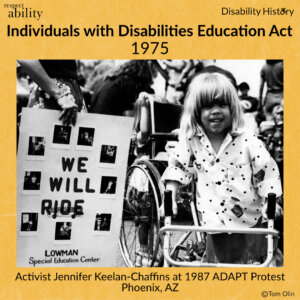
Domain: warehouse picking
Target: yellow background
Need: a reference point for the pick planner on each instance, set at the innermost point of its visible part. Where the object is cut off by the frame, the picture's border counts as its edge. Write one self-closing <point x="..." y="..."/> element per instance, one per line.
<point x="185" y="13"/>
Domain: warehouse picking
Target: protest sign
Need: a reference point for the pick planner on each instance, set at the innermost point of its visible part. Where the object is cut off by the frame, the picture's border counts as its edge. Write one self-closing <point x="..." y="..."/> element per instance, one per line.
<point x="70" y="189"/>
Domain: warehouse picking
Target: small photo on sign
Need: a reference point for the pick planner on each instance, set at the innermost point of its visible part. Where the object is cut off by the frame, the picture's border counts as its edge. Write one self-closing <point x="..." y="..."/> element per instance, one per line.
<point x="102" y="222"/>
<point x="29" y="222"/>
<point x="32" y="181"/>
<point x="63" y="231"/>
<point x="85" y="137"/>
<point x="108" y="155"/>
<point x="62" y="136"/>
<point x="108" y="185"/>
<point x="36" y="146"/>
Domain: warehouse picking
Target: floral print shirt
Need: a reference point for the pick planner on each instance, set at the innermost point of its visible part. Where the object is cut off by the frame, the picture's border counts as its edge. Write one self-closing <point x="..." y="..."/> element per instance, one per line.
<point x="232" y="184"/>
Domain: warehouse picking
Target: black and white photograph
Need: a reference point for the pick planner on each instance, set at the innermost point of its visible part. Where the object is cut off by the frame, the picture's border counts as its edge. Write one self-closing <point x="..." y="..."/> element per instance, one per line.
<point x="108" y="155"/>
<point x="36" y="146"/>
<point x="108" y="185"/>
<point x="32" y="181"/>
<point x="29" y="222"/>
<point x="63" y="231"/>
<point x="62" y="136"/>
<point x="102" y="222"/>
<point x="85" y="136"/>
<point x="206" y="137"/>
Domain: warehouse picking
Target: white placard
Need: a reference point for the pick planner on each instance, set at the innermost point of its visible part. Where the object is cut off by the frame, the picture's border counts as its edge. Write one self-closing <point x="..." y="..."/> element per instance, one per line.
<point x="70" y="189"/>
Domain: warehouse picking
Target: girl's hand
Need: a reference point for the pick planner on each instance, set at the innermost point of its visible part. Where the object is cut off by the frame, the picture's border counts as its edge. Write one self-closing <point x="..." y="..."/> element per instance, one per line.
<point x="143" y="99"/>
<point x="69" y="109"/>
<point x="278" y="211"/>
<point x="172" y="186"/>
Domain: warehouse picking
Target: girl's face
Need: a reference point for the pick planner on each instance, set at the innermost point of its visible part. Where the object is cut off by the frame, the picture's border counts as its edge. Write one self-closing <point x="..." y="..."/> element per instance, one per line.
<point x="216" y="119"/>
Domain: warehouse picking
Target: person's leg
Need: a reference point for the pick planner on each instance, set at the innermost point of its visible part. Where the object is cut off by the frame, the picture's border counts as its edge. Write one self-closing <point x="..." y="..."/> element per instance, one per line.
<point x="143" y="252"/>
<point x="226" y="248"/>
<point x="143" y="236"/>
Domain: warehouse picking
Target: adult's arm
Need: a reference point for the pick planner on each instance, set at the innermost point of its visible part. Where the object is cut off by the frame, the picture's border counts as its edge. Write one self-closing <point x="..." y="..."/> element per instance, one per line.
<point x="38" y="74"/>
<point x="66" y="101"/>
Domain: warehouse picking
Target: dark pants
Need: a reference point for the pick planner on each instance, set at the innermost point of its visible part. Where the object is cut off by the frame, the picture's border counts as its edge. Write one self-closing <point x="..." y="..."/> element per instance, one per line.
<point x="236" y="248"/>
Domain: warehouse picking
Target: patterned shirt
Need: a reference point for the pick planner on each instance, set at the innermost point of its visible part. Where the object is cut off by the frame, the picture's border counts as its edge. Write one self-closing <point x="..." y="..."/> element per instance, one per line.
<point x="232" y="184"/>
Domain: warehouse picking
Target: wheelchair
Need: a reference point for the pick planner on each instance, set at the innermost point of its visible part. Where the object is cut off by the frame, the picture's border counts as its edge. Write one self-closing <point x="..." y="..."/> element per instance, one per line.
<point x="144" y="190"/>
<point x="178" y="242"/>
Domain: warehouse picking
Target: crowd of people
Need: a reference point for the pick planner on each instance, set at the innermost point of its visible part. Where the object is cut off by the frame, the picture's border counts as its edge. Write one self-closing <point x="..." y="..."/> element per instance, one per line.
<point x="217" y="136"/>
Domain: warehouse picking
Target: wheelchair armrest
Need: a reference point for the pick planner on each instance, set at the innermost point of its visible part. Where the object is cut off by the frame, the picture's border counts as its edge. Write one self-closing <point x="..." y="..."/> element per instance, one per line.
<point x="164" y="137"/>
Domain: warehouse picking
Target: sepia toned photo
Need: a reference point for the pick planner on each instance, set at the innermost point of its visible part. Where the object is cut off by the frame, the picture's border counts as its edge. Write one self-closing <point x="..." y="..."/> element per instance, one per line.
<point x="62" y="135"/>
<point x="108" y="154"/>
<point x="85" y="136"/>
<point x="29" y="222"/>
<point x="63" y="231"/>
<point x="36" y="146"/>
<point x="102" y="222"/>
<point x="108" y="185"/>
<point x="32" y="181"/>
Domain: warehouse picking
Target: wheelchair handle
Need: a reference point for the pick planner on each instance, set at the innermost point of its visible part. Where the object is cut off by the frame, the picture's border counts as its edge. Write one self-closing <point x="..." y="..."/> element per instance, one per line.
<point x="271" y="206"/>
<point x="164" y="136"/>
<point x="168" y="203"/>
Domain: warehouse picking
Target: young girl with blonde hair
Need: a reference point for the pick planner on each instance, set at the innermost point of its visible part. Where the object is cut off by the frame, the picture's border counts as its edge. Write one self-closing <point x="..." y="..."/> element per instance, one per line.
<point x="234" y="171"/>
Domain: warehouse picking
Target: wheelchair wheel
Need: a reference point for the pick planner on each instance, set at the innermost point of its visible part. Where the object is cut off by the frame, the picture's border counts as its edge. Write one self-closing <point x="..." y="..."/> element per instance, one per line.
<point x="139" y="238"/>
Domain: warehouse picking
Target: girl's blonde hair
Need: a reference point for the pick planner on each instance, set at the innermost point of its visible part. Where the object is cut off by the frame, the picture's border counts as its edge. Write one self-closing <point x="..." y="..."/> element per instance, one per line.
<point x="208" y="89"/>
